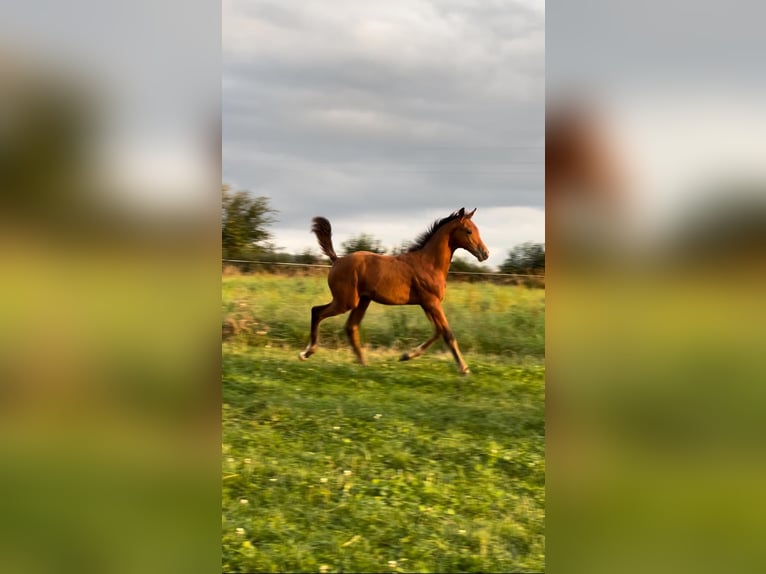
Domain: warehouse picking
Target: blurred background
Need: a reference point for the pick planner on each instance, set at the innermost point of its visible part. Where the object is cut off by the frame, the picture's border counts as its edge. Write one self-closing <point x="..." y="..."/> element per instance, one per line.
<point x="109" y="375"/>
<point x="109" y="171"/>
<point x="656" y="236"/>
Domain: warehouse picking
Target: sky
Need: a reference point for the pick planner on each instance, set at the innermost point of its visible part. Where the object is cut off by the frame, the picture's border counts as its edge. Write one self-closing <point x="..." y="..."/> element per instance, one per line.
<point x="151" y="88"/>
<point x="686" y="111"/>
<point x="384" y="115"/>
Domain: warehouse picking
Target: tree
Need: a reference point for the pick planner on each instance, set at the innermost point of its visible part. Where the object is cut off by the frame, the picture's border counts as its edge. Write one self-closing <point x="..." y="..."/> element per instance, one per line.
<point x="362" y="242"/>
<point x="465" y="266"/>
<point x="306" y="256"/>
<point x="244" y="223"/>
<point x="403" y="247"/>
<point x="526" y="258"/>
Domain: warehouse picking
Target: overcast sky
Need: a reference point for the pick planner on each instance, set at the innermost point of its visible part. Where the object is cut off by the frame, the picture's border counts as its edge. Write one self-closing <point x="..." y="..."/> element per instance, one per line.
<point x="382" y="115"/>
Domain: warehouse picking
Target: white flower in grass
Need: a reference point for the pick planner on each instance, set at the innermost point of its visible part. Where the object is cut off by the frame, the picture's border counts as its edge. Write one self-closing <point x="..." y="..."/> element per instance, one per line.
<point x="323" y="480"/>
<point x="272" y="480"/>
<point x="392" y="564"/>
<point x="377" y="416"/>
<point x="336" y="428"/>
<point x="244" y="501"/>
<point x="248" y="461"/>
<point x="347" y="472"/>
<point x="461" y="531"/>
<point x="240" y="531"/>
<point x="323" y="568"/>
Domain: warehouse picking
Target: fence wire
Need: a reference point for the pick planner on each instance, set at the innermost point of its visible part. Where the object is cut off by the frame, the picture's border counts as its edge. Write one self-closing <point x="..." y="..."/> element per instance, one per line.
<point x="475" y="273"/>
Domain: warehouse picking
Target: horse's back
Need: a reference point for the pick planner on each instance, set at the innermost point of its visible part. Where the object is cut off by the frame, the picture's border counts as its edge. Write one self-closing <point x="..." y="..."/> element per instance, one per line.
<point x="383" y="278"/>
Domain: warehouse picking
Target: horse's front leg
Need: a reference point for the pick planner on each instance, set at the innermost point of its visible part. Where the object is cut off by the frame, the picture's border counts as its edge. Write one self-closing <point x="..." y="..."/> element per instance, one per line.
<point x="420" y="349"/>
<point x="440" y="320"/>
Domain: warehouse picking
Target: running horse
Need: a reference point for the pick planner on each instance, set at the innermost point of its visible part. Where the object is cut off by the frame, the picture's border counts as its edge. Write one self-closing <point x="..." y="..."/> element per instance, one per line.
<point x="416" y="277"/>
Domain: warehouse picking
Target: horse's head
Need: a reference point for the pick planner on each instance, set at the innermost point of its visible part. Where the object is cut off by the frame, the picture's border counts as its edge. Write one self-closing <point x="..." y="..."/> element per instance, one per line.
<point x="466" y="235"/>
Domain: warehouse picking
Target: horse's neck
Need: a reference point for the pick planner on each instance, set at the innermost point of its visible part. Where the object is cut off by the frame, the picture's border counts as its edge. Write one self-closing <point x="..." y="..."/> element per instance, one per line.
<point x="438" y="251"/>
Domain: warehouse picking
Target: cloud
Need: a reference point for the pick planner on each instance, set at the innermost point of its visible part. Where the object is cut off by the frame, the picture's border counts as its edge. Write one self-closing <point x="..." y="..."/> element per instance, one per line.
<point x="371" y="111"/>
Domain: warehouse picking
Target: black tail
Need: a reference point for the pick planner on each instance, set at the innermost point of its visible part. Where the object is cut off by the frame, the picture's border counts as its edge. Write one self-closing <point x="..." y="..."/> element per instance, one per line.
<point x="321" y="227"/>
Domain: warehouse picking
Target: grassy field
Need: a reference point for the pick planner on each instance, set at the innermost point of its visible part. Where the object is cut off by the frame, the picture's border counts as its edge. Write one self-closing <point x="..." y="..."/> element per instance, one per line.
<point x="396" y="467"/>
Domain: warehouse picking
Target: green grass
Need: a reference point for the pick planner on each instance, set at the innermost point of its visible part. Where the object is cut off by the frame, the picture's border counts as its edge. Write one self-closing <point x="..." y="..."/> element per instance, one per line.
<point x="330" y="466"/>
<point x="486" y="318"/>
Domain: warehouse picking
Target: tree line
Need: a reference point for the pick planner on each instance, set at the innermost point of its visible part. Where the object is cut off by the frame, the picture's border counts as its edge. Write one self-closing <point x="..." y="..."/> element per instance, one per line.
<point x="245" y="235"/>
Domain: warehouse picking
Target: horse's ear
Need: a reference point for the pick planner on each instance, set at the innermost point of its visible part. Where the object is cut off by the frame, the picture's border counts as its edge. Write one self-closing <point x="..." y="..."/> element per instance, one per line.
<point x="461" y="212"/>
<point x="470" y="215"/>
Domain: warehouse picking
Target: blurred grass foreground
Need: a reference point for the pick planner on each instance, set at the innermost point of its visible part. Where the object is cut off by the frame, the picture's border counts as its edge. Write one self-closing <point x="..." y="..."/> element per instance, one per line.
<point x="109" y="400"/>
<point x="655" y="394"/>
<point x="395" y="467"/>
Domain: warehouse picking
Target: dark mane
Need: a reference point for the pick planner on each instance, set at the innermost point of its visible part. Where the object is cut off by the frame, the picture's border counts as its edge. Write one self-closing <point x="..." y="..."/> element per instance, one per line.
<point x="422" y="239"/>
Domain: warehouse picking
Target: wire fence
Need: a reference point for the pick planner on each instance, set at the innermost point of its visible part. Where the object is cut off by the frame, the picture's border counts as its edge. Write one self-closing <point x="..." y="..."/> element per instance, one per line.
<point x="509" y="276"/>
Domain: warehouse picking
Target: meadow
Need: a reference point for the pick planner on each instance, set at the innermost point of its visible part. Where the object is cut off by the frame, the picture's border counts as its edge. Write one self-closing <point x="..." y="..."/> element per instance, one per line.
<point x="394" y="467"/>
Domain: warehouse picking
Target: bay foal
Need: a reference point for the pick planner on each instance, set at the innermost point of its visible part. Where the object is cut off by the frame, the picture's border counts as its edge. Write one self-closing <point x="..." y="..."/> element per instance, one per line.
<point x="417" y="277"/>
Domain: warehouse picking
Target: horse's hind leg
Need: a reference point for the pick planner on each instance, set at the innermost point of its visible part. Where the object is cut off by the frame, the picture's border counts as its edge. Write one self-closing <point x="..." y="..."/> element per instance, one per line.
<point x="319" y="313"/>
<point x="352" y="328"/>
<point x="314" y="340"/>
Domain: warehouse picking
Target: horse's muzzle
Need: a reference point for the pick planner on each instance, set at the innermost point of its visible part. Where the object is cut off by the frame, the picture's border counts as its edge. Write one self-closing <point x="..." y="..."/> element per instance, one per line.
<point x="482" y="254"/>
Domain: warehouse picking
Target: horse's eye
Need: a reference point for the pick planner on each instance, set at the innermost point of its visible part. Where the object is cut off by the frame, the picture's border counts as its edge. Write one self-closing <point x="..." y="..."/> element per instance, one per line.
<point x="468" y="232"/>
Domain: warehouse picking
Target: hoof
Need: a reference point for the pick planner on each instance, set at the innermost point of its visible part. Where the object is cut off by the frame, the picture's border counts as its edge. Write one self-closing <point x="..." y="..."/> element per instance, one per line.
<point x="404" y="357"/>
<point x="303" y="356"/>
<point x="466" y="372"/>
